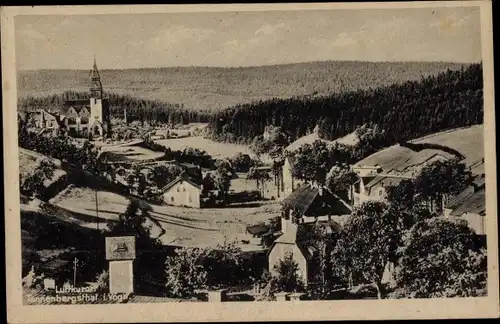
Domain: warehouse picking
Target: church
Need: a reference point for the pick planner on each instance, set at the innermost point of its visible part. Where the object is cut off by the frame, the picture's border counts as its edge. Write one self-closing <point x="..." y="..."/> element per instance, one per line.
<point x="81" y="117"/>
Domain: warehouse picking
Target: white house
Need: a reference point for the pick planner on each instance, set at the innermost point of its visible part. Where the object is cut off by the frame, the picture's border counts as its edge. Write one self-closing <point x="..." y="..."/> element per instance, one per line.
<point x="305" y="206"/>
<point x="182" y="191"/>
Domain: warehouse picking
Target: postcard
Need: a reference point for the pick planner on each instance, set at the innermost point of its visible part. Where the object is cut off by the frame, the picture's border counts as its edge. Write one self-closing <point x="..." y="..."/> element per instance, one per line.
<point x="257" y="162"/>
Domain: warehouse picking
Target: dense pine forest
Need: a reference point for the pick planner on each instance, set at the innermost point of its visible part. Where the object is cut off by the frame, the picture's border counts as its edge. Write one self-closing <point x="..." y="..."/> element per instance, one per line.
<point x="453" y="98"/>
<point x="153" y="112"/>
<point x="215" y="88"/>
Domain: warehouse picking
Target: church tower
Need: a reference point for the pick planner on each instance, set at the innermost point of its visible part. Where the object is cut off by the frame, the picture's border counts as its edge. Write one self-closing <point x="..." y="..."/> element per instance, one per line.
<point x="95" y="83"/>
<point x="99" y="108"/>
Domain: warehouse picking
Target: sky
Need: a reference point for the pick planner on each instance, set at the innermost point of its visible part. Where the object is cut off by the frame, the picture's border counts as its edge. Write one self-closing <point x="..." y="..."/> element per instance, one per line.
<point x="228" y="39"/>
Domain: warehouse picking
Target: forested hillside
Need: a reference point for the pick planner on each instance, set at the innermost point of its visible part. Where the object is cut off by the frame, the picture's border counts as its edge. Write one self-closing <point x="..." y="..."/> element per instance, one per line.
<point x="403" y="110"/>
<point x="217" y="88"/>
<point x="144" y="110"/>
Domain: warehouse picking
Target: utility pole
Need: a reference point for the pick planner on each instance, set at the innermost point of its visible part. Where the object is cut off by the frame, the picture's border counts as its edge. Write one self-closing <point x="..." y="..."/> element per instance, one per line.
<point x="96" y="209"/>
<point x="75" y="263"/>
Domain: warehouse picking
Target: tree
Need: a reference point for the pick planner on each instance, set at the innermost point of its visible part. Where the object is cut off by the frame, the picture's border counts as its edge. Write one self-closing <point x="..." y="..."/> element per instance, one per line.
<point x="442" y="179"/>
<point x="192" y="269"/>
<point x="222" y="177"/>
<point x="260" y="176"/>
<point x="242" y="162"/>
<point x="185" y="272"/>
<point x="160" y="175"/>
<point x="287" y="278"/>
<point x="137" y="179"/>
<point x="319" y="236"/>
<point x="441" y="258"/>
<point x="407" y="205"/>
<point x="208" y="183"/>
<point x="224" y="266"/>
<point x="339" y="180"/>
<point x="260" y="146"/>
<point x="312" y="162"/>
<point x="150" y="256"/>
<point x="368" y="243"/>
<point x="33" y="183"/>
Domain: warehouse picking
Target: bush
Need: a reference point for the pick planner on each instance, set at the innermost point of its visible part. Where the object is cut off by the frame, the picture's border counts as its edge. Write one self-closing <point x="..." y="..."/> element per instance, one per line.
<point x="102" y="280"/>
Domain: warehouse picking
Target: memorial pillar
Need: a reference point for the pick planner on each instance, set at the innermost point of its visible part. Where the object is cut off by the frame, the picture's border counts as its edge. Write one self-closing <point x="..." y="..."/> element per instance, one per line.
<point x="120" y="252"/>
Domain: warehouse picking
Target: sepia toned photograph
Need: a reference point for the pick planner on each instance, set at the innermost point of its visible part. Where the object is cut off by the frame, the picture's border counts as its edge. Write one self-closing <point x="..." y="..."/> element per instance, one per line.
<point x="218" y="161"/>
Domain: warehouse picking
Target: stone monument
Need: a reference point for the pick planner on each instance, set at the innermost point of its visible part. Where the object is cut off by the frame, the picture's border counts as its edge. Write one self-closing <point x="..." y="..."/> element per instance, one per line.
<point x="120" y="252"/>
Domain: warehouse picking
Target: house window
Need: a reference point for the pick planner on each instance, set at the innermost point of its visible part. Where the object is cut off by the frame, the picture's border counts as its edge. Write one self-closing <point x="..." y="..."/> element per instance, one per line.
<point x="178" y="190"/>
<point x="190" y="199"/>
<point x="380" y="192"/>
<point x="172" y="199"/>
<point x="183" y="189"/>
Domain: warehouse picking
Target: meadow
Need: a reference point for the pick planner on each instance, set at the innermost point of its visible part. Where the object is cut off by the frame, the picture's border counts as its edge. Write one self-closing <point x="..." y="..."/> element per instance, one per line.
<point x="174" y="225"/>
<point x="217" y="150"/>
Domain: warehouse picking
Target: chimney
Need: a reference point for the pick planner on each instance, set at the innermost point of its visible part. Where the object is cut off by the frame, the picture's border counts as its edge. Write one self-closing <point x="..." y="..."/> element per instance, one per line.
<point x="320" y="190"/>
<point x="284" y="223"/>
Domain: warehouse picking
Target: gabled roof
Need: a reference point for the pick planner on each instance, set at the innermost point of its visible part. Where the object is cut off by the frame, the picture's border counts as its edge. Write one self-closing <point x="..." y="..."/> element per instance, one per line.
<point x="182" y="177"/>
<point x="385" y="180"/>
<point x="465" y="143"/>
<point x="475" y="204"/>
<point x="77" y="108"/>
<point x="470" y="200"/>
<point x="301" y="199"/>
<point x="308" y="201"/>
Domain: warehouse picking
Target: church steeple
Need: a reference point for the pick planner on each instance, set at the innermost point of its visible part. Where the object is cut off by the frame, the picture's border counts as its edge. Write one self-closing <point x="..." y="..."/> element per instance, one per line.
<point x="95" y="82"/>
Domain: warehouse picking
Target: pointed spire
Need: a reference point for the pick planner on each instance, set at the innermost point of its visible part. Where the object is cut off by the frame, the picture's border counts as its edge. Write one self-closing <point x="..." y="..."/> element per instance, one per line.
<point x="95" y="82"/>
<point x="95" y="70"/>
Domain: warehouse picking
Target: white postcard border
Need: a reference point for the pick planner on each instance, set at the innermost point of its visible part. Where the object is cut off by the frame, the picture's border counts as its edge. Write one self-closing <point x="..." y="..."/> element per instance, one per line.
<point x="237" y="311"/>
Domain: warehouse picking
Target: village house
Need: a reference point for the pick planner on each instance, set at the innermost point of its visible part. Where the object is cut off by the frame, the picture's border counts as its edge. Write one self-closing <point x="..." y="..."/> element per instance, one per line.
<point x="305" y="206"/>
<point x="81" y="117"/>
<point x="406" y="160"/>
<point x="470" y="205"/>
<point x="182" y="191"/>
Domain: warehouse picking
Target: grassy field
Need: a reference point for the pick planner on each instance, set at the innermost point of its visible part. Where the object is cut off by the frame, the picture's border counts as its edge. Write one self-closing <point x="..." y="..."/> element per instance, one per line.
<point x="469" y="141"/>
<point x="133" y="153"/>
<point x="216" y="88"/>
<point x="178" y="226"/>
<point x="215" y="149"/>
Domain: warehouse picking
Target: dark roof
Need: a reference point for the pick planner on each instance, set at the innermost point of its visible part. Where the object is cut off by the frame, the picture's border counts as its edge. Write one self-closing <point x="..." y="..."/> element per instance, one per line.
<point x="385" y="180"/>
<point x="469" y="201"/>
<point x="77" y="108"/>
<point x="257" y="229"/>
<point x="301" y="198"/>
<point x="307" y="201"/>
